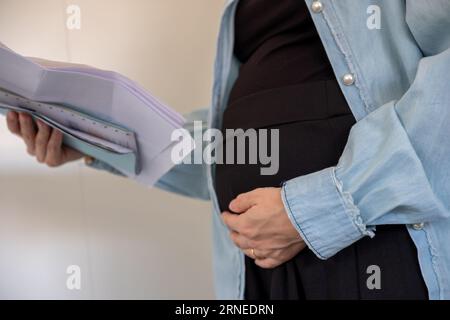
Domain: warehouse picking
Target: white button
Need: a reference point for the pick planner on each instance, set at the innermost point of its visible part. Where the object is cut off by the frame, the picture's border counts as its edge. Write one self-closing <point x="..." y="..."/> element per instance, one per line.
<point x="317" y="6"/>
<point x="348" y="79"/>
<point x="418" y="226"/>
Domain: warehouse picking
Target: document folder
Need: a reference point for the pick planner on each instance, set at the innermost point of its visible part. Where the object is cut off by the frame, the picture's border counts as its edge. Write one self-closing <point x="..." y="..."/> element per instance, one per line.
<point x="101" y="113"/>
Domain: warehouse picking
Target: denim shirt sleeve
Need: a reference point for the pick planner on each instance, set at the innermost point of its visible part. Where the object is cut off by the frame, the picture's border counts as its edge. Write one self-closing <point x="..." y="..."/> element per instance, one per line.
<point x="429" y="22"/>
<point x="189" y="179"/>
<point x="395" y="169"/>
<point x="184" y="179"/>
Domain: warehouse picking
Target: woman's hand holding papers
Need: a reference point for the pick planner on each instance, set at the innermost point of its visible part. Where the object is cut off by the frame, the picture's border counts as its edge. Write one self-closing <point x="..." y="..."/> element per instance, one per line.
<point x="43" y="142"/>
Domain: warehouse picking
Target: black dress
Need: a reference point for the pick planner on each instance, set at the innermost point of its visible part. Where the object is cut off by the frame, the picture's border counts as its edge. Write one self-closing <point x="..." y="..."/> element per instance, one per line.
<point x="286" y="82"/>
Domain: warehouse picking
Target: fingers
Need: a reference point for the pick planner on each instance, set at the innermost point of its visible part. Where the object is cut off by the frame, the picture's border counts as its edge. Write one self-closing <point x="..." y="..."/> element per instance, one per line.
<point x="240" y="223"/>
<point x="69" y="154"/>
<point x="255" y="254"/>
<point x="244" y="201"/>
<point x="261" y="260"/>
<point x="268" y="263"/>
<point x="249" y="253"/>
<point x="54" y="149"/>
<point x="27" y="132"/>
<point x="12" y="121"/>
<point x="42" y="140"/>
<point x="44" y="143"/>
<point x="241" y="241"/>
<point x="231" y="220"/>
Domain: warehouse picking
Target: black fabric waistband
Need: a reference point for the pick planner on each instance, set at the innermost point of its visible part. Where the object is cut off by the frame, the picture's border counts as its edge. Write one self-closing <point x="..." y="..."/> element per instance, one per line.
<point x="302" y="102"/>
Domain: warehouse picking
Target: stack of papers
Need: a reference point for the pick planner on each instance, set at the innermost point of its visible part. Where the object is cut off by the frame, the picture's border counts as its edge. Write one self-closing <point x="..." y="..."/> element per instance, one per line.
<point x="101" y="113"/>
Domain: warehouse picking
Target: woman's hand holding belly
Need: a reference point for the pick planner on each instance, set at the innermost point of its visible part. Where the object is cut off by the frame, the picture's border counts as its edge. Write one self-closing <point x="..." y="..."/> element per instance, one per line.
<point x="261" y="227"/>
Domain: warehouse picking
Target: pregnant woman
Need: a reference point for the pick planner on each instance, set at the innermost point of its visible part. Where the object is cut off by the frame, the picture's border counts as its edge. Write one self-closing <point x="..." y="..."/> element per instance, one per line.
<point x="287" y="83"/>
<point x="359" y="208"/>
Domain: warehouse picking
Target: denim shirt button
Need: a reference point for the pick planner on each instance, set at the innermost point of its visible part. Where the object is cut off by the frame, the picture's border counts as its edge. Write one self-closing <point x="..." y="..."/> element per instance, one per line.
<point x="418" y="226"/>
<point x="348" y="79"/>
<point x="317" y="6"/>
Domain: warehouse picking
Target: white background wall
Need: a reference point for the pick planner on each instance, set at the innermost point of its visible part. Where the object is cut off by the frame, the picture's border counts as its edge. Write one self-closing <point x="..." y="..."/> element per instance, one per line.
<point x="130" y="242"/>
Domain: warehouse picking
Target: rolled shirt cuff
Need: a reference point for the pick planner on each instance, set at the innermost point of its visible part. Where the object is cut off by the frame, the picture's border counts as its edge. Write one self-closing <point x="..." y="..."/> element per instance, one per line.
<point x="324" y="215"/>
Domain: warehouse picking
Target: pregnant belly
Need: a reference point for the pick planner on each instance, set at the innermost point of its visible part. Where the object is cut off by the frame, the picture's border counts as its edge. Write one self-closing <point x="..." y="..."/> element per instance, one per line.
<point x="313" y="122"/>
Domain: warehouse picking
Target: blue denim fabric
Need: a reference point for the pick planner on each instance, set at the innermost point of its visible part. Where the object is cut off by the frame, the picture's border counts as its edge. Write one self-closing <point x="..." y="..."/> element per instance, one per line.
<point x="395" y="168"/>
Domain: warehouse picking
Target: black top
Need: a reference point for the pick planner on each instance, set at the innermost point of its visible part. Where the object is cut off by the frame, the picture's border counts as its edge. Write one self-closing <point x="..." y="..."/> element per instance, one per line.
<point x="278" y="46"/>
<point x="286" y="82"/>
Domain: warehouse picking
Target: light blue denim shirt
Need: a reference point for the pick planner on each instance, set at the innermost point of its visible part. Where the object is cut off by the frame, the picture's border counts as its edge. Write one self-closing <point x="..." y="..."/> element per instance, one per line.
<point x="395" y="168"/>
